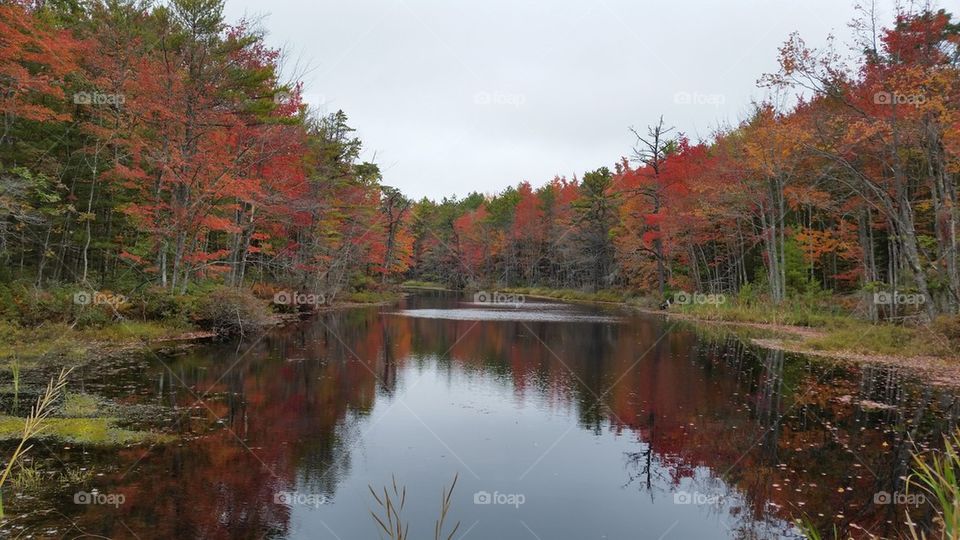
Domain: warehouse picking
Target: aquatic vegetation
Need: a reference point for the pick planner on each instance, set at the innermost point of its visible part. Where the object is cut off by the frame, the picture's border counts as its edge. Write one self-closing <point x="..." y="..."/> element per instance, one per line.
<point x="28" y="477"/>
<point x="80" y="420"/>
<point x="79" y="405"/>
<point x="75" y="475"/>
<point x="809" y="530"/>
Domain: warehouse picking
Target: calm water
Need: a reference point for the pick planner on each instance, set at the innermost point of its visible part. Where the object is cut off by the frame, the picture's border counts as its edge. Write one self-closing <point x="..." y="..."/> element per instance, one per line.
<point x="562" y="422"/>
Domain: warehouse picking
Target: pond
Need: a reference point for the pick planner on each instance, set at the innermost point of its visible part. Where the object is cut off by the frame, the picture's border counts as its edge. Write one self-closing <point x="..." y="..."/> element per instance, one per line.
<point x="559" y="422"/>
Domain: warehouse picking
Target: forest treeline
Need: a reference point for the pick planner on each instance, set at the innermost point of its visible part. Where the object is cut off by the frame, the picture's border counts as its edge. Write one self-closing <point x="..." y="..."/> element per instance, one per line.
<point x="850" y="190"/>
<point x="156" y="146"/>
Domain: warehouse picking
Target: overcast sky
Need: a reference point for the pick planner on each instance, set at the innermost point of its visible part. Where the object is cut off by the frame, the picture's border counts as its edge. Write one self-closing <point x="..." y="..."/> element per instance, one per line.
<point x="451" y="96"/>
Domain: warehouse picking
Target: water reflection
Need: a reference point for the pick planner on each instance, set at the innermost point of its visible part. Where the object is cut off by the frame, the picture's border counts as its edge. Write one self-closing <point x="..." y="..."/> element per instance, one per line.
<point x="620" y="429"/>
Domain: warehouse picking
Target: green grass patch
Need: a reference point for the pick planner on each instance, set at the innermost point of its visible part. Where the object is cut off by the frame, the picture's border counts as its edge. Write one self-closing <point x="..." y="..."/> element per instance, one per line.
<point x="127" y="331"/>
<point x="94" y="431"/>
<point x="788" y="314"/>
<point x="372" y="297"/>
<point x="28" y="477"/>
<point x="414" y="284"/>
<point x="30" y="343"/>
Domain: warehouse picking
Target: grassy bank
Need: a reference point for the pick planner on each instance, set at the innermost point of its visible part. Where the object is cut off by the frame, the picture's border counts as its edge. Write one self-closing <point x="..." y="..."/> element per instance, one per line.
<point x="572" y="295"/>
<point x="69" y="323"/>
<point x="74" y="345"/>
<point x="830" y="331"/>
<point x="371" y="297"/>
<point x="414" y="284"/>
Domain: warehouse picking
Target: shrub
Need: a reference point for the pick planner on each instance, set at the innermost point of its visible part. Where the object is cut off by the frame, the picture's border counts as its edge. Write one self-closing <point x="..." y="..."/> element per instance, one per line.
<point x="363" y="282"/>
<point x="156" y="303"/>
<point x="37" y="306"/>
<point x="748" y="295"/>
<point x="59" y="304"/>
<point x="230" y="312"/>
<point x="265" y="291"/>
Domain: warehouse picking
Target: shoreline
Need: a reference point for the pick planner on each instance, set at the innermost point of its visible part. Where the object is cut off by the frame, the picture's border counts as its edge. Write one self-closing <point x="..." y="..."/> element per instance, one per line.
<point x="943" y="372"/>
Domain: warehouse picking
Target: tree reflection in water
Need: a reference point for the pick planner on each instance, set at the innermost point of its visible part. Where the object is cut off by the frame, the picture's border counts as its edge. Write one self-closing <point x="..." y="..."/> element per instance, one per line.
<point x="777" y="436"/>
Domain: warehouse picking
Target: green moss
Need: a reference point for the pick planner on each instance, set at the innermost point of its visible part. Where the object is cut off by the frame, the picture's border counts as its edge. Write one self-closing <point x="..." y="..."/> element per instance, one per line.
<point x="95" y="431"/>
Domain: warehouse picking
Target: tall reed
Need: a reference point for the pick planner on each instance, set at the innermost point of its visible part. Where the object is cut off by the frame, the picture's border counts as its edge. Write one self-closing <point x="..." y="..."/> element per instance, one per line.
<point x="444" y="509"/>
<point x="391" y="505"/>
<point x="392" y="501"/>
<point x="15" y="372"/>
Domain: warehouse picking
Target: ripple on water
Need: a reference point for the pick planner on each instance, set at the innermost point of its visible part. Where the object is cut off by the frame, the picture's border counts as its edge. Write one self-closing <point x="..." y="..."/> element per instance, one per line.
<point x="524" y="305"/>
